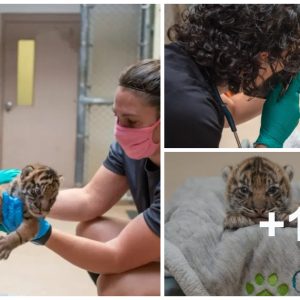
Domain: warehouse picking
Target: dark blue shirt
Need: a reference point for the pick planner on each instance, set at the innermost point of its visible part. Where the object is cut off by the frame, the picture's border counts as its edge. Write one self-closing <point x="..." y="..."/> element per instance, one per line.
<point x="144" y="182"/>
<point x="193" y="118"/>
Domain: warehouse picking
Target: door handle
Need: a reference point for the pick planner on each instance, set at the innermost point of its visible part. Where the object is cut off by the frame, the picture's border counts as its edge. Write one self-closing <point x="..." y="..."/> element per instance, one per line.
<point x="8" y="106"/>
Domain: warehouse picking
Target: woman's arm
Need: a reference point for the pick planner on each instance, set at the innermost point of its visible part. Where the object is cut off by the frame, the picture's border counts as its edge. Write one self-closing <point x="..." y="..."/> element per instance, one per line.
<point x="135" y="246"/>
<point x="91" y="201"/>
<point x="241" y="108"/>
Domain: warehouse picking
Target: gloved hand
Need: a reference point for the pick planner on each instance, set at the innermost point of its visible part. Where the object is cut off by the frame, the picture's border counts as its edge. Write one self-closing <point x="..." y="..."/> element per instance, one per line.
<point x="12" y="217"/>
<point x="280" y="115"/>
<point x="7" y="175"/>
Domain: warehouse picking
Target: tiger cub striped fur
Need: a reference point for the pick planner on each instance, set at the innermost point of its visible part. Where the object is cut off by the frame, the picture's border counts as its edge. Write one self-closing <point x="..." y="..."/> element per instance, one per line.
<point x="37" y="186"/>
<point x="255" y="187"/>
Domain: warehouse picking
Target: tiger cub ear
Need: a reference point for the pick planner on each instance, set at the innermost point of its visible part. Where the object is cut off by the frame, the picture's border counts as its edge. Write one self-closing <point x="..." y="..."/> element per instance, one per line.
<point x="25" y="171"/>
<point x="289" y="171"/>
<point x="226" y="172"/>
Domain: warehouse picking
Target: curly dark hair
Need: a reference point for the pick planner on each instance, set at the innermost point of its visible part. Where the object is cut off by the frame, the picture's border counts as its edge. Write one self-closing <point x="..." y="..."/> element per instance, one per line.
<point x="144" y="78"/>
<point x="227" y="40"/>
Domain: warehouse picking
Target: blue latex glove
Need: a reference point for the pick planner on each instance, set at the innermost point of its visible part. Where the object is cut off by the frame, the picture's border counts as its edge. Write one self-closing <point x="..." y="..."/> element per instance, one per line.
<point x="7" y="175"/>
<point x="280" y="115"/>
<point x="12" y="212"/>
<point x="12" y="217"/>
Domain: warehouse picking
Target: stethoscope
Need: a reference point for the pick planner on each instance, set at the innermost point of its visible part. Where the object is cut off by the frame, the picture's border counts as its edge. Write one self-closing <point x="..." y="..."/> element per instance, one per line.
<point x="226" y="112"/>
<point x="228" y="116"/>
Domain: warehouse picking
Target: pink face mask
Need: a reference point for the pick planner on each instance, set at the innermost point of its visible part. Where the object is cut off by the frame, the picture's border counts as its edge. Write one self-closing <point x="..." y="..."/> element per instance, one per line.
<point x="136" y="142"/>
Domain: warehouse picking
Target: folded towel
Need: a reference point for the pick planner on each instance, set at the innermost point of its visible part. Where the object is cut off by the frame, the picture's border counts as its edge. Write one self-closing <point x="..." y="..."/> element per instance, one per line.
<point x="205" y="260"/>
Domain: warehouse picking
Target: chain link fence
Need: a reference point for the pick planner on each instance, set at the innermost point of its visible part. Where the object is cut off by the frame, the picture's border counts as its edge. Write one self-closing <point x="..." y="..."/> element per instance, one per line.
<point x="116" y="36"/>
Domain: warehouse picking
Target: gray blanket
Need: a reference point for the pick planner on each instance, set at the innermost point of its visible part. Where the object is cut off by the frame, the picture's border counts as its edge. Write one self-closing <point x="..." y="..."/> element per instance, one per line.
<point x="205" y="260"/>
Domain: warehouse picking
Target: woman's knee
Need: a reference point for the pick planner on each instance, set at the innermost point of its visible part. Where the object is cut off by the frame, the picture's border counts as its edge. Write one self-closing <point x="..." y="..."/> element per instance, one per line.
<point x="143" y="281"/>
<point x="103" y="286"/>
<point x="111" y="285"/>
<point x="101" y="229"/>
<point x="83" y="229"/>
<point x="80" y="228"/>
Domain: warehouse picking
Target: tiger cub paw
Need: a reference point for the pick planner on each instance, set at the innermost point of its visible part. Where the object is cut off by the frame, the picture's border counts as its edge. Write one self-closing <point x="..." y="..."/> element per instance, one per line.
<point x="5" y="248"/>
<point x="235" y="221"/>
<point x="284" y="216"/>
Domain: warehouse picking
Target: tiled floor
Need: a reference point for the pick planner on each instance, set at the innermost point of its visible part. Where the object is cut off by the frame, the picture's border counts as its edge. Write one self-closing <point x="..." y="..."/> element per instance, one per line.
<point x="36" y="271"/>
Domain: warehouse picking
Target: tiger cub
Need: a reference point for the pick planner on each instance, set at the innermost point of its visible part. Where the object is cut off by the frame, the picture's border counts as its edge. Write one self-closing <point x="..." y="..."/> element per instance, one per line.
<point x="255" y="187"/>
<point x="37" y="186"/>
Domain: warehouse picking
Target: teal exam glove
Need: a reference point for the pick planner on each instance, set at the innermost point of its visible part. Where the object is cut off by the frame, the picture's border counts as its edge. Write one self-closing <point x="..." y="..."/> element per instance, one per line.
<point x="7" y="175"/>
<point x="280" y="115"/>
<point x="12" y="217"/>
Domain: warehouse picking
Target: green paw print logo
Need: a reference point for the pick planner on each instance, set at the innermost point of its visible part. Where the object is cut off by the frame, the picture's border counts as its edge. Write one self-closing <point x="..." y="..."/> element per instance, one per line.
<point x="266" y="287"/>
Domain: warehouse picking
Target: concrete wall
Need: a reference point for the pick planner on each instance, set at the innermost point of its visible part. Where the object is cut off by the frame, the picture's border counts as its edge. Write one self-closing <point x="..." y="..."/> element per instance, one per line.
<point x="180" y="166"/>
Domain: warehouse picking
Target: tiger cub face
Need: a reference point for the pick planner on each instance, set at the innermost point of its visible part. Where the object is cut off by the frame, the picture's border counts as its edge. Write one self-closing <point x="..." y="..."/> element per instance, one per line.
<point x="37" y="186"/>
<point x="255" y="187"/>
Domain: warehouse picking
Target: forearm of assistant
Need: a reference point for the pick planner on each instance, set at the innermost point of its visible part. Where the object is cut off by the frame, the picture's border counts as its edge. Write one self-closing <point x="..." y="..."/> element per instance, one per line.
<point x="135" y="246"/>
